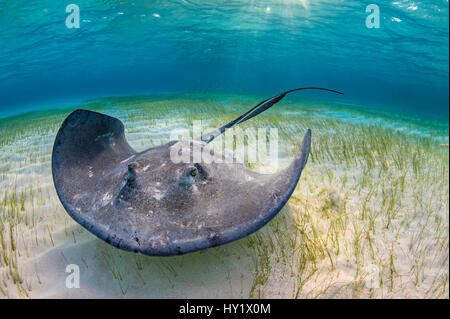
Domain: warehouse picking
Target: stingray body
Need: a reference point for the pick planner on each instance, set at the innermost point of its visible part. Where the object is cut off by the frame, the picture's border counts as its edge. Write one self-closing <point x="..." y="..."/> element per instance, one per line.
<point x="146" y="202"/>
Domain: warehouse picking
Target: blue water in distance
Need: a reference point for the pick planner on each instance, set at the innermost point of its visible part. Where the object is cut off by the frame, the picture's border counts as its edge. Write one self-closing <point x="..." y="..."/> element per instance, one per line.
<point x="240" y="46"/>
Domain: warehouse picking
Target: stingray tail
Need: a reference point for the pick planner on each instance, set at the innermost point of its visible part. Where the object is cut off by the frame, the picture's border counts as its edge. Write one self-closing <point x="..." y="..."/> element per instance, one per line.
<point x="258" y="109"/>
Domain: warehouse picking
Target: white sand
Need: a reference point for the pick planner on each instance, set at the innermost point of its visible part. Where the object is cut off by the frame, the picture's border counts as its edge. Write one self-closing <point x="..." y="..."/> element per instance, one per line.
<point x="336" y="230"/>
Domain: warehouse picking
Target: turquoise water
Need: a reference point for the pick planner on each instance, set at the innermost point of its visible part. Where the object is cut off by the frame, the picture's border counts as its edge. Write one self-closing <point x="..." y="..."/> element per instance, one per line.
<point x="225" y="46"/>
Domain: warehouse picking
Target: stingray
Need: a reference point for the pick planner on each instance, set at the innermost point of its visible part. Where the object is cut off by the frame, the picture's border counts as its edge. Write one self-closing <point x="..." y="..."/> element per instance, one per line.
<point x="145" y="202"/>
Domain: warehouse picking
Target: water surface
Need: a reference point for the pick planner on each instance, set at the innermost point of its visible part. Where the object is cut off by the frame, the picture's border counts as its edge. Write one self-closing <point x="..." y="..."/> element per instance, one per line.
<point x="257" y="47"/>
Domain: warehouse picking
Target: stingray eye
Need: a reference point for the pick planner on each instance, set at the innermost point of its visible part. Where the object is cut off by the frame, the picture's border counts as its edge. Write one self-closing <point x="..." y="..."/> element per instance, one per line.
<point x="202" y="174"/>
<point x="194" y="172"/>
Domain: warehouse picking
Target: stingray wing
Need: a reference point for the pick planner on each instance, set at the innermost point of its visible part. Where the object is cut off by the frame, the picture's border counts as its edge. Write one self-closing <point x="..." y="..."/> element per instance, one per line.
<point x="87" y="147"/>
<point x="263" y="201"/>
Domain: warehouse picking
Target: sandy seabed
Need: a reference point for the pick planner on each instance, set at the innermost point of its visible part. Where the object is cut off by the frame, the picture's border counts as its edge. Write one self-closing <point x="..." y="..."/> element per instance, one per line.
<point x="368" y="219"/>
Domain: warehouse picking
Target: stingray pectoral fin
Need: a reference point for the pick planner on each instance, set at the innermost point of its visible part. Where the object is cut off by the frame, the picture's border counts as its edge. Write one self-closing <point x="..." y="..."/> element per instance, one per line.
<point x="86" y="135"/>
<point x="277" y="189"/>
<point x="284" y="183"/>
<point x="294" y="170"/>
<point x="87" y="146"/>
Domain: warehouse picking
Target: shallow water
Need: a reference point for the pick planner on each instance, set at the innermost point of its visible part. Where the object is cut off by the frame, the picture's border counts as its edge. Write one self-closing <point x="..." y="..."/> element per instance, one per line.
<point x="374" y="193"/>
<point x="262" y="47"/>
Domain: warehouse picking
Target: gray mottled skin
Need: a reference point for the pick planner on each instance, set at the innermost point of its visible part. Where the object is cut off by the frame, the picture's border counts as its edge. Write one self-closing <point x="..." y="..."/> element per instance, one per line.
<point x="144" y="202"/>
